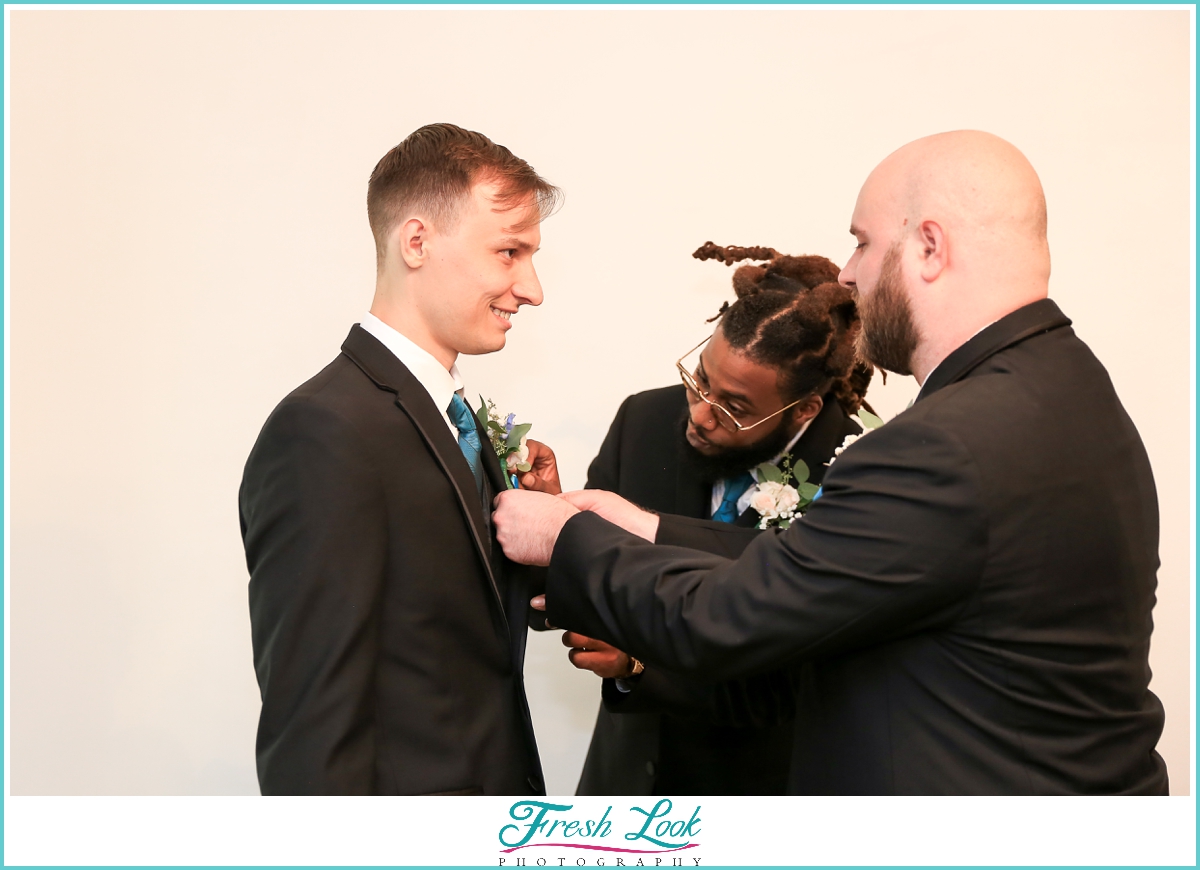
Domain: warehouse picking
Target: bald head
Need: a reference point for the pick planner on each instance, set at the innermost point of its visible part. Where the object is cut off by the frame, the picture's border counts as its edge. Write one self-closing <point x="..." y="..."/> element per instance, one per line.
<point x="978" y="185"/>
<point x="966" y="216"/>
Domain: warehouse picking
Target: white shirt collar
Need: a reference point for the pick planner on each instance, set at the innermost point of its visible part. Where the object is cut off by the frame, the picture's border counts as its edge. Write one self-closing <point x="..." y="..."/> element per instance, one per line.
<point x="441" y="385"/>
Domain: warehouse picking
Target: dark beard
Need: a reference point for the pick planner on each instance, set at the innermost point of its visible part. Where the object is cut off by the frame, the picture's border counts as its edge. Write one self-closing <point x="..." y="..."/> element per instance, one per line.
<point x="888" y="337"/>
<point x="732" y="460"/>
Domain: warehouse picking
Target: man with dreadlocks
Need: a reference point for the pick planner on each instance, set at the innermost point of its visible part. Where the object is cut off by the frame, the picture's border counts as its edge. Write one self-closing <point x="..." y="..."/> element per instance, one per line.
<point x="778" y="377"/>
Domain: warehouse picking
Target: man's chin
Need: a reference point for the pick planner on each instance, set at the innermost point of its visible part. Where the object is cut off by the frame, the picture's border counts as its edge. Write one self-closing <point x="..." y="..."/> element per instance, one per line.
<point x="714" y="462"/>
<point x="480" y="347"/>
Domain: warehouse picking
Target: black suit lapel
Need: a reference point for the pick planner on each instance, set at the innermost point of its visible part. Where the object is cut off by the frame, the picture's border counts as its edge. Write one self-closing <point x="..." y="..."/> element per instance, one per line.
<point x="491" y="462"/>
<point x="693" y="496"/>
<point x="382" y="367"/>
<point x="748" y="519"/>
<point x="826" y="433"/>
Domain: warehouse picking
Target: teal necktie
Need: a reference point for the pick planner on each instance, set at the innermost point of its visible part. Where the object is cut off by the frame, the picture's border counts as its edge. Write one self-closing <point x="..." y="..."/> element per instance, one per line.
<point x="735" y="488"/>
<point x="468" y="436"/>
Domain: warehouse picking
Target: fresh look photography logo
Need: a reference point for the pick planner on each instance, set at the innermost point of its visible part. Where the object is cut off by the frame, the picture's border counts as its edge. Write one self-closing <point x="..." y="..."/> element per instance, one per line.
<point x="646" y="836"/>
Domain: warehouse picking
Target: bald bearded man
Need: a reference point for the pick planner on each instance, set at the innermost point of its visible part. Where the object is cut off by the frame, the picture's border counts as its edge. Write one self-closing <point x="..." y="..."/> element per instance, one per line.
<point x="967" y="608"/>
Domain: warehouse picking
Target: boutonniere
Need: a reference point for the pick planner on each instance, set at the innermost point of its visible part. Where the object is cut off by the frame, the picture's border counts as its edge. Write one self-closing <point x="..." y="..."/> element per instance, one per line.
<point x="782" y="492"/>
<point x="508" y="440"/>
<point x="869" y="423"/>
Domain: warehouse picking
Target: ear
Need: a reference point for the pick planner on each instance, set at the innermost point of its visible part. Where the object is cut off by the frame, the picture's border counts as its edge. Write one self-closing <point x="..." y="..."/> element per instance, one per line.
<point x="410" y="239"/>
<point x="935" y="255"/>
<point x="807" y="409"/>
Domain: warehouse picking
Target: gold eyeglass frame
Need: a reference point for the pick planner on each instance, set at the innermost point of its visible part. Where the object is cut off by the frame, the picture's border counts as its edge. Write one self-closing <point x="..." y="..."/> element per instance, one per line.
<point x="689" y="383"/>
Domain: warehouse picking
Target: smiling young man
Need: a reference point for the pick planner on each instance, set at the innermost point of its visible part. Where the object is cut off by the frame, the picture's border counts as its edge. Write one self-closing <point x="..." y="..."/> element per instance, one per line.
<point x="778" y="376"/>
<point x="388" y="628"/>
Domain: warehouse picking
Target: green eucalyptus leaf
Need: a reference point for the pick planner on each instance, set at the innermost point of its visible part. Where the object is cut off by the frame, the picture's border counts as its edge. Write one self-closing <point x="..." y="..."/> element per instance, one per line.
<point x="494" y="426"/>
<point x="785" y="524"/>
<point x="518" y="432"/>
<point x="769" y="473"/>
<point x="869" y="420"/>
<point x="800" y="471"/>
<point x="482" y="415"/>
<point x="808" y="490"/>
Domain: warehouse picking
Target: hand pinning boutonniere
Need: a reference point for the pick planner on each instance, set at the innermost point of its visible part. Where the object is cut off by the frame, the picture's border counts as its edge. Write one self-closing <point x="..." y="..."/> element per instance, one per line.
<point x="508" y="440"/>
<point x="868" y="421"/>
<point x="782" y="492"/>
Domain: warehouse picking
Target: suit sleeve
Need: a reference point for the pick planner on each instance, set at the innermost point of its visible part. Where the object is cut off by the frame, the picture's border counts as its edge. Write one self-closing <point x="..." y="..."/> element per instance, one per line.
<point x="720" y="539"/>
<point x="895" y="545"/>
<point x="535" y="584"/>
<point x="758" y="701"/>
<point x="314" y="527"/>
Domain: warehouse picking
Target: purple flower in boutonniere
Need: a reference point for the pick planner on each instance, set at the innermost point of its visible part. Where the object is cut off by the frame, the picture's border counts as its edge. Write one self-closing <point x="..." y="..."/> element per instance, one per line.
<point x="508" y="440"/>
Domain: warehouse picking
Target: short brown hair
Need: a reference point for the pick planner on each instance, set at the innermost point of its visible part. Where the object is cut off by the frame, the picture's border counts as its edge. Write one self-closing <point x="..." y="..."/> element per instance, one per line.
<point x="434" y="170"/>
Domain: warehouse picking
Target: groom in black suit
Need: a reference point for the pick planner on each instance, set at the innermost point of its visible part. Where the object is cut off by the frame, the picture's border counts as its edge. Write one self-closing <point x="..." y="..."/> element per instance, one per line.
<point x="972" y="592"/>
<point x="388" y="628"/>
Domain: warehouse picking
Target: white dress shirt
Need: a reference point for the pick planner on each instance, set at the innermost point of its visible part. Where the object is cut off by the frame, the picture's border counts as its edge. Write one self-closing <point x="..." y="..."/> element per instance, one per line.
<point x="439" y="383"/>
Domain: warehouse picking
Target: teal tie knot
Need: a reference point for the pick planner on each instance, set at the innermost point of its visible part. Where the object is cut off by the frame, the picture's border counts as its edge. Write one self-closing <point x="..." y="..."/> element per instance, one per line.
<point x="468" y="436"/>
<point x="735" y="488"/>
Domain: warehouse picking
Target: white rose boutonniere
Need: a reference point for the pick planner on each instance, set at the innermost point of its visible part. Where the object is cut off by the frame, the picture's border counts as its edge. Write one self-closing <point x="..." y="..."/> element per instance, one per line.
<point x="767" y="499"/>
<point x="776" y="499"/>
<point x="508" y="440"/>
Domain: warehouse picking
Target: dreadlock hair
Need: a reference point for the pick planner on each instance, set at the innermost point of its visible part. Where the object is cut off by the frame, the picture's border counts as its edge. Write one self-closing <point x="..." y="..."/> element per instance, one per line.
<point x="792" y="315"/>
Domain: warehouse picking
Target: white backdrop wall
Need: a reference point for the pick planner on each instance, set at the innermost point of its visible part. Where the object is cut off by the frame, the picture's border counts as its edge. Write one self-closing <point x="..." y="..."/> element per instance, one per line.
<point x="188" y="242"/>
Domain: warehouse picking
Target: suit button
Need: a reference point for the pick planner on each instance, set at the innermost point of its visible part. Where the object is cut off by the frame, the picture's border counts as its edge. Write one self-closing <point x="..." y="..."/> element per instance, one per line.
<point x="533" y="782"/>
<point x="650" y="768"/>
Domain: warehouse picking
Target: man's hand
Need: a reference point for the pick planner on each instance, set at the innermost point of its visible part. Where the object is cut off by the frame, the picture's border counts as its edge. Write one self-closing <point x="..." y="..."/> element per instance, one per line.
<point x="528" y="523"/>
<point x="543" y="476"/>
<point x="602" y="659"/>
<point x="617" y="511"/>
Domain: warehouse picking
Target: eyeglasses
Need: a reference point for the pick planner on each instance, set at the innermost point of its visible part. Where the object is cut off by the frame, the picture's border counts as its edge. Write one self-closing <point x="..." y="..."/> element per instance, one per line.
<point x="723" y="416"/>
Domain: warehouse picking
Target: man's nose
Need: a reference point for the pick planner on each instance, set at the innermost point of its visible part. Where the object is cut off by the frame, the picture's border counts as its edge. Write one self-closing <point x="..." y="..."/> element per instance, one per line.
<point x="528" y="289"/>
<point x="846" y="276"/>
<point x="702" y="415"/>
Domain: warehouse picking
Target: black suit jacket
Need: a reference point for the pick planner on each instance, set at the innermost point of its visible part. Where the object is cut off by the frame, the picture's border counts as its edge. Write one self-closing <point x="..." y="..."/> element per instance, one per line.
<point x="656" y="739"/>
<point x="388" y="629"/>
<point x="973" y="589"/>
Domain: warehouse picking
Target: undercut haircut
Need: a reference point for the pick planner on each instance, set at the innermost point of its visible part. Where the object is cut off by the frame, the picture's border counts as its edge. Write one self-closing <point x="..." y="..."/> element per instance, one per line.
<point x="792" y="315"/>
<point x="431" y="174"/>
